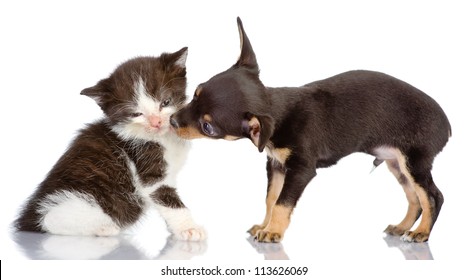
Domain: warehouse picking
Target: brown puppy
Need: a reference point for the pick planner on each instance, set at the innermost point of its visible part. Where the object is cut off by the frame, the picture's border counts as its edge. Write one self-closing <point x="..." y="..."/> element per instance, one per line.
<point x="313" y="126"/>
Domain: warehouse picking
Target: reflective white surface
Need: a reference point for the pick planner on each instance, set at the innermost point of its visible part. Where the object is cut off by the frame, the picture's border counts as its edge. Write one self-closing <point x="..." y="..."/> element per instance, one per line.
<point x="37" y="246"/>
<point x="51" y="50"/>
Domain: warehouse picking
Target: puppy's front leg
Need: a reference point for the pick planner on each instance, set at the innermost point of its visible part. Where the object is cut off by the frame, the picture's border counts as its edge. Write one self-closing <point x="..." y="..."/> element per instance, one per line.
<point x="275" y="174"/>
<point x="296" y="179"/>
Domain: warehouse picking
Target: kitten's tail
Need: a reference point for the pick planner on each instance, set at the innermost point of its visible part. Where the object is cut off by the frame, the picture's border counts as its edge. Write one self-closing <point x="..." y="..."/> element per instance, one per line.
<point x="28" y="219"/>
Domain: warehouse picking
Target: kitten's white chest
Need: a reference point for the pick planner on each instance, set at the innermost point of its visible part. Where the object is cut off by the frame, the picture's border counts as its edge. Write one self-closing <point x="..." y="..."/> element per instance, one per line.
<point x="175" y="153"/>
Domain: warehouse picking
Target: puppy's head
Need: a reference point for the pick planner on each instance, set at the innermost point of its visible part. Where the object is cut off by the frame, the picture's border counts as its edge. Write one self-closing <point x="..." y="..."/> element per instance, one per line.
<point x="231" y="105"/>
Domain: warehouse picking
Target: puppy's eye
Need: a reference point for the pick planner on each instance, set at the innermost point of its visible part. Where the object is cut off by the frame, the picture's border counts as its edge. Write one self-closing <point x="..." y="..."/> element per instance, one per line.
<point x="136" y="115"/>
<point x="208" y="129"/>
<point x="166" y="102"/>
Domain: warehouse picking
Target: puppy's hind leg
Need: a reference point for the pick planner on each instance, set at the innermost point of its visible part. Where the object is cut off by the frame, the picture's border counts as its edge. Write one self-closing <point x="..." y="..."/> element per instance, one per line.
<point x="414" y="208"/>
<point x="430" y="197"/>
<point x="275" y="185"/>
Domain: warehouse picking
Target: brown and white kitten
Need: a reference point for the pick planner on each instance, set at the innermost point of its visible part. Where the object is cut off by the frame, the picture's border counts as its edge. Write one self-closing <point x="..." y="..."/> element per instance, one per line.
<point x="119" y="166"/>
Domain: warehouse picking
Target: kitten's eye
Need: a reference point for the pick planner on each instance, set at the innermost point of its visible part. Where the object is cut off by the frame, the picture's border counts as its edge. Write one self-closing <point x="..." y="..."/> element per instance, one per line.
<point x="166" y="102"/>
<point x="208" y="129"/>
<point x="136" y="115"/>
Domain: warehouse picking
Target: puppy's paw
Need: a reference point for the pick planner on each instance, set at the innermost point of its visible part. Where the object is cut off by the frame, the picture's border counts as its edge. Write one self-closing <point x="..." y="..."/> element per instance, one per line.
<point x="191" y="234"/>
<point x="394" y="230"/>
<point x="268" y="236"/>
<point x="255" y="229"/>
<point x="415" y="236"/>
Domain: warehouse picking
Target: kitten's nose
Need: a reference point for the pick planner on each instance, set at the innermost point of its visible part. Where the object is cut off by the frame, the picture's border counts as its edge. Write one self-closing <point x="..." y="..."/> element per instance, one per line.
<point x="173" y="122"/>
<point x="155" y="121"/>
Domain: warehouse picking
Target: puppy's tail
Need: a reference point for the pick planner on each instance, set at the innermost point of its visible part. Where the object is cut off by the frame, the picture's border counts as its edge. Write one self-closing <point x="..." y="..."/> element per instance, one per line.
<point x="376" y="163"/>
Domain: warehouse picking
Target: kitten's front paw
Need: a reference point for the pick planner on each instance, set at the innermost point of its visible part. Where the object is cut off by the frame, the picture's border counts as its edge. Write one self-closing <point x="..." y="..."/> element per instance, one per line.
<point x="191" y="234"/>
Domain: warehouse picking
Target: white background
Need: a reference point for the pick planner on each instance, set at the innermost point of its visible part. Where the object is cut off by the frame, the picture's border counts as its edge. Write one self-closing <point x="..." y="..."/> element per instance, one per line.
<point x="51" y="50"/>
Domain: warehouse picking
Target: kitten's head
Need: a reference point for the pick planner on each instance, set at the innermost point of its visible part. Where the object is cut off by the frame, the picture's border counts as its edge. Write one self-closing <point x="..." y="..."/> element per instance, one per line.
<point x="139" y="97"/>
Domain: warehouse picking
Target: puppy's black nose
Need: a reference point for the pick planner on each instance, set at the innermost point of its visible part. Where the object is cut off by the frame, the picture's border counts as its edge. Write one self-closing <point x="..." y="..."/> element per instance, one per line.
<point x="173" y="122"/>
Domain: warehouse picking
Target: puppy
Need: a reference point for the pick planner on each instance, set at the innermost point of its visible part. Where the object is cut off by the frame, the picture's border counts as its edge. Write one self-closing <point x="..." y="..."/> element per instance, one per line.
<point x="315" y="125"/>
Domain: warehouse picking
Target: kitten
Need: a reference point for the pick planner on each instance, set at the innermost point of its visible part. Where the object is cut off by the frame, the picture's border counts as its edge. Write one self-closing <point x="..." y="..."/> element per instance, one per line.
<point x="119" y="166"/>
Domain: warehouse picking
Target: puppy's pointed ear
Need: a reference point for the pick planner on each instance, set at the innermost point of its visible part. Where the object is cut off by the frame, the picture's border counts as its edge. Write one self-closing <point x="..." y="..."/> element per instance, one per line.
<point x="247" y="57"/>
<point x="258" y="128"/>
<point x="98" y="92"/>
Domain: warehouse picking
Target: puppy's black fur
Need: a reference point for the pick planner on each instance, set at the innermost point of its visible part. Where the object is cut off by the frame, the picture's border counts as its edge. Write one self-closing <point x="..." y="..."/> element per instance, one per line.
<point x="313" y="126"/>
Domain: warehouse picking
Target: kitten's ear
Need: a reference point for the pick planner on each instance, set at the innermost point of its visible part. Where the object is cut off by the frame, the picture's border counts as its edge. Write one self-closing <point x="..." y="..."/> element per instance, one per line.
<point x="181" y="57"/>
<point x="176" y="59"/>
<point x="258" y="128"/>
<point x="97" y="92"/>
<point x="247" y="57"/>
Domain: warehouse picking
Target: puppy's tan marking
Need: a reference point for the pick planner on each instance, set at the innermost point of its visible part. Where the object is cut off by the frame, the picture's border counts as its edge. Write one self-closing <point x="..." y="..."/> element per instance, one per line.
<point x="274" y="190"/>
<point x="189" y="133"/>
<point x="279" y="222"/>
<point x="207" y="118"/>
<point x="198" y="91"/>
<point x="231" y="138"/>
<point x="279" y="154"/>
